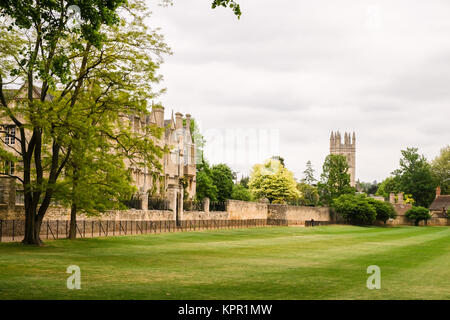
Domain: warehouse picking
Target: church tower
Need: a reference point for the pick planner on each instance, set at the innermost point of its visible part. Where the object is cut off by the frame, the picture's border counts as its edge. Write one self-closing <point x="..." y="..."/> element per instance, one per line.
<point x="346" y="148"/>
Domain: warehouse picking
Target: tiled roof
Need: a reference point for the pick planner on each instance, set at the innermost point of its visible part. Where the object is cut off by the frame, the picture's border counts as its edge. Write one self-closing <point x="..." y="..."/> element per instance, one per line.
<point x="440" y="202"/>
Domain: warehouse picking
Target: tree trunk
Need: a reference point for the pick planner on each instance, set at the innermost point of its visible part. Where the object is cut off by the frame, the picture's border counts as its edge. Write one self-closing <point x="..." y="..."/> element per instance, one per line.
<point x="73" y="222"/>
<point x="74" y="207"/>
<point x="32" y="228"/>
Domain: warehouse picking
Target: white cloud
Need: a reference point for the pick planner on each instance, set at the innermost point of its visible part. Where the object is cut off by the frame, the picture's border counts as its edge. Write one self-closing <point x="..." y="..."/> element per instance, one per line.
<point x="304" y="68"/>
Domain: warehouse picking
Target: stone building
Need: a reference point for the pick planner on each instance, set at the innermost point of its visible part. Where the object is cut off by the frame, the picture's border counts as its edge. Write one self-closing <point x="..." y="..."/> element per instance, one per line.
<point x="440" y="205"/>
<point x="346" y="148"/>
<point x="178" y="175"/>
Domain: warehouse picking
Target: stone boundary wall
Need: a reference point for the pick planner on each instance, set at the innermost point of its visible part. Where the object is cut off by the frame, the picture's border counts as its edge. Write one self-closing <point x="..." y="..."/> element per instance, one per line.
<point x="62" y="213"/>
<point x="202" y="215"/>
<point x="298" y="213"/>
<point x="242" y="210"/>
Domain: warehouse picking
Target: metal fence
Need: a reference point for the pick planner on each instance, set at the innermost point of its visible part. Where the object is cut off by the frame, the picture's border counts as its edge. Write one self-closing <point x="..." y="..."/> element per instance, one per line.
<point x="133" y="204"/>
<point x="13" y="230"/>
<point x="155" y="203"/>
<point x="217" y="206"/>
<point x="190" y="205"/>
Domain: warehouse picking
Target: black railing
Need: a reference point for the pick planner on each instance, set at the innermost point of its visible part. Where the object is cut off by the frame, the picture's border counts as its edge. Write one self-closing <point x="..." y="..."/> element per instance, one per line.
<point x="14" y="230"/>
<point x="191" y="205"/>
<point x="217" y="206"/>
<point x="155" y="203"/>
<point x="133" y="204"/>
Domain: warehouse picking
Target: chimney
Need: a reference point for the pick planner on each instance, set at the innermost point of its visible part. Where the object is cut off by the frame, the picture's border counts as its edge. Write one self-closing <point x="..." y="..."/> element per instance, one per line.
<point x="188" y="121"/>
<point x="159" y="115"/>
<point x="392" y="198"/>
<point x="400" y="197"/>
<point x="438" y="191"/>
<point x="178" y="120"/>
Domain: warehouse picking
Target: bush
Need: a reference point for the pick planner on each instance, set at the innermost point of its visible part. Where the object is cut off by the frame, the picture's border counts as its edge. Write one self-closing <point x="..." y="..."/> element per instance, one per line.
<point x="418" y="214"/>
<point x="241" y="193"/>
<point x="384" y="210"/>
<point x="355" y="209"/>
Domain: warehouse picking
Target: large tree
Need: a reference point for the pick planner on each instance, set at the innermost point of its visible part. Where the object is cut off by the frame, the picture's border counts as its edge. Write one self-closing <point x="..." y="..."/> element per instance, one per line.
<point x="335" y="179"/>
<point x="274" y="182"/>
<point x="415" y="177"/>
<point x="222" y="177"/>
<point x="40" y="45"/>
<point x="440" y="167"/>
<point x="308" y="174"/>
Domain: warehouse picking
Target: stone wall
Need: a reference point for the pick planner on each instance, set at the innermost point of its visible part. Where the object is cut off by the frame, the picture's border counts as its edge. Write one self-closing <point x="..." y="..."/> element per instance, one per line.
<point x="62" y="213"/>
<point x="202" y="215"/>
<point x="242" y="210"/>
<point x="298" y="214"/>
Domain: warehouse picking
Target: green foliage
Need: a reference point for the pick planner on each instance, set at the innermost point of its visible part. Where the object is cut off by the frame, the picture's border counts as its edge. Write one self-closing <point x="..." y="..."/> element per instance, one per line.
<point x="418" y="214"/>
<point x="241" y="193"/>
<point x="228" y="3"/>
<point x="389" y="185"/>
<point x="244" y="182"/>
<point x="274" y="182"/>
<point x="440" y="167"/>
<point x="205" y="187"/>
<point x="355" y="209"/>
<point x="222" y="177"/>
<point x="97" y="75"/>
<point x="367" y="187"/>
<point x="308" y="174"/>
<point x="384" y="210"/>
<point x="415" y="177"/>
<point x="309" y="195"/>
<point x="335" y="180"/>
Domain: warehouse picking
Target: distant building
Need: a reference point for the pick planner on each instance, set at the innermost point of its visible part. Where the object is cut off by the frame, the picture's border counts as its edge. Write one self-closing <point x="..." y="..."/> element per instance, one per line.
<point x="440" y="205"/>
<point x="346" y="148"/>
<point x="178" y="165"/>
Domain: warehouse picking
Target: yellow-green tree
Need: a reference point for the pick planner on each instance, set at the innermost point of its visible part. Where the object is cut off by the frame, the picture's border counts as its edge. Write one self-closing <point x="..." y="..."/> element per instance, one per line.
<point x="274" y="182"/>
<point x="440" y="167"/>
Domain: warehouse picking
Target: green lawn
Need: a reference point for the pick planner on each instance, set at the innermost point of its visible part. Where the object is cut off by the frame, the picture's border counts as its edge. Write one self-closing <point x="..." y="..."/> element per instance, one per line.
<point x="261" y="263"/>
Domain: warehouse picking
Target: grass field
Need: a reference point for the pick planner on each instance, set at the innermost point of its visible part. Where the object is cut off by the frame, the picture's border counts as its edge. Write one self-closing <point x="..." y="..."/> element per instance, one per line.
<point x="262" y="263"/>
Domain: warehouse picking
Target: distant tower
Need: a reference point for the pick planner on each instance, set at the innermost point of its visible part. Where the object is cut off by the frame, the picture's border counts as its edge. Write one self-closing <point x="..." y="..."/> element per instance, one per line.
<point x="348" y="149"/>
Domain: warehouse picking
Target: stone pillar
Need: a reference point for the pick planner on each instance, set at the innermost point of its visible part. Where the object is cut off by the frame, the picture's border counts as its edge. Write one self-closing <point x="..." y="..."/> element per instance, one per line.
<point x="400" y="198"/>
<point x="392" y="198"/>
<point x="143" y="196"/>
<point x="7" y="196"/>
<point x="206" y="205"/>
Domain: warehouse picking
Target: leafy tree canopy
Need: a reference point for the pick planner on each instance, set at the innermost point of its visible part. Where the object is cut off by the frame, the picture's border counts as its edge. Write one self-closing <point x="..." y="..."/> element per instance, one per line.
<point x="440" y="167"/>
<point x="335" y="179"/>
<point x="222" y="177"/>
<point x="415" y="177"/>
<point x="418" y="214"/>
<point x="308" y="174"/>
<point x="355" y="209"/>
<point x="274" y="182"/>
<point x="241" y="193"/>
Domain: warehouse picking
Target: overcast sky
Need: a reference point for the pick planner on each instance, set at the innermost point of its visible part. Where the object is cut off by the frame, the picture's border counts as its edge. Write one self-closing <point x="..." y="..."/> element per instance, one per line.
<point x="289" y="72"/>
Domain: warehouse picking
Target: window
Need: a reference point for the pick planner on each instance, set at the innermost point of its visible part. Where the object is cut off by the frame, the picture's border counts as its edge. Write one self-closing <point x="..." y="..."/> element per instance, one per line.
<point x="10" y="135"/>
<point x="8" y="167"/>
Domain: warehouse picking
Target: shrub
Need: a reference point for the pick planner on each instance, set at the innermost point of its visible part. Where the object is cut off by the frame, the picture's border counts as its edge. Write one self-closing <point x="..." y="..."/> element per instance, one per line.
<point x="384" y="210"/>
<point x="241" y="193"/>
<point x="355" y="209"/>
<point x="418" y="214"/>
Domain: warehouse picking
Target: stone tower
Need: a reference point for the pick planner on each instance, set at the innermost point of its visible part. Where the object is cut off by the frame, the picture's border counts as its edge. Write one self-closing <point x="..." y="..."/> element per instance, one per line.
<point x="348" y="149"/>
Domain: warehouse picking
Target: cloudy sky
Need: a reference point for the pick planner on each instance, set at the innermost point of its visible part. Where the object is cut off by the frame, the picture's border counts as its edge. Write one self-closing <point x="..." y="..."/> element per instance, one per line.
<point x="286" y="74"/>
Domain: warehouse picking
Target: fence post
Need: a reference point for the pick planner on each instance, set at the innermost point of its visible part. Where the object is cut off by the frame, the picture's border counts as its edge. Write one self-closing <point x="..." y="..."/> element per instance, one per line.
<point x="1" y="230"/>
<point x="57" y="229"/>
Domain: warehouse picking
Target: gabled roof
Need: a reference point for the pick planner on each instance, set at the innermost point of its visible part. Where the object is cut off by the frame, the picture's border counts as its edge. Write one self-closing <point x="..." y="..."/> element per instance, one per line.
<point x="21" y="94"/>
<point x="440" y="202"/>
